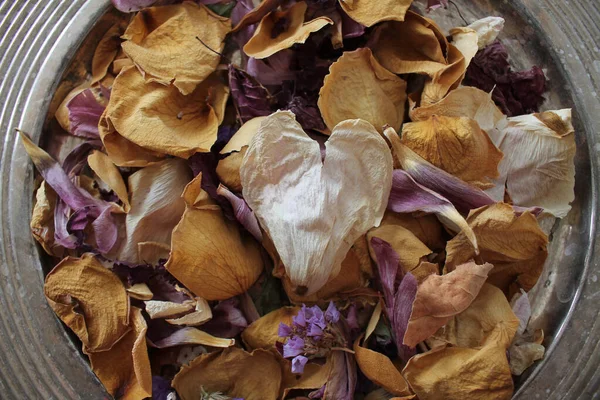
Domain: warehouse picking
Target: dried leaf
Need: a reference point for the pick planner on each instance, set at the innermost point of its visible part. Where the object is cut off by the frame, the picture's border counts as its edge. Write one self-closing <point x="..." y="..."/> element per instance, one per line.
<point x="233" y="372"/>
<point x="369" y="13"/>
<point x="515" y="245"/>
<point x="456" y="145"/>
<point x="163" y="44"/>
<point x="359" y="87"/>
<point x="42" y="218"/>
<point x="454" y="373"/>
<point x="263" y="333"/>
<point x="104" y="168"/>
<point x="489" y="320"/>
<point x="539" y="168"/>
<point x="282" y="170"/>
<point x="209" y="255"/>
<point x="280" y="30"/>
<point x="90" y="300"/>
<point x="124" y="370"/>
<point x="439" y="298"/>
<point x="160" y="119"/>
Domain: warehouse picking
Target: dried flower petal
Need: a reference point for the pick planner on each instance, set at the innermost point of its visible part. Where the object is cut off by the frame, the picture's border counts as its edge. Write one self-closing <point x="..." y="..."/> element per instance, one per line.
<point x="90" y="300"/>
<point x="257" y="14"/>
<point x="140" y="291"/>
<point x="209" y="255"/>
<point x="163" y="44"/>
<point x="369" y="13"/>
<point x="107" y="51"/>
<point x="487" y="30"/>
<point x="243" y="136"/>
<point x="282" y="170"/>
<point x="522" y="309"/>
<point x="341" y="382"/>
<point x="264" y="332"/>
<point x="232" y="371"/>
<point x="128" y="6"/>
<point x="42" y="218"/>
<point x="280" y="30"/>
<point x="514" y="244"/>
<point x="439" y="298"/>
<point x="228" y="170"/>
<point x="165" y="309"/>
<point x="194" y="336"/>
<point x="104" y="168"/>
<point x="242" y="212"/>
<point x="523" y="355"/>
<point x="124" y="370"/>
<point x="85" y="110"/>
<point x="201" y="314"/>
<point x="251" y="99"/>
<point x="359" y="87"/>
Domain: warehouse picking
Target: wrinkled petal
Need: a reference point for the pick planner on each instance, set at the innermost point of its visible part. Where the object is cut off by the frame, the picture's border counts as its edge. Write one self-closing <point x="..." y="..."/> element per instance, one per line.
<point x="369" y="13"/>
<point x="104" y="168"/>
<point x="522" y="309"/>
<point x="274" y="69"/>
<point x="487" y="30"/>
<point x="522" y="356"/>
<point x="227" y="319"/>
<point x="85" y="111"/>
<point x="403" y="305"/>
<point x="251" y="99"/>
<point x="298" y="364"/>
<point x="242" y="212"/>
<point x="341" y="382"/>
<point x="264" y="332"/>
<point x="193" y="336"/>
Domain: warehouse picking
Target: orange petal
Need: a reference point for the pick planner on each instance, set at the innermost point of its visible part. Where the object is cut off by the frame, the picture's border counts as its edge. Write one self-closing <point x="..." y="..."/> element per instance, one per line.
<point x="262" y="333"/>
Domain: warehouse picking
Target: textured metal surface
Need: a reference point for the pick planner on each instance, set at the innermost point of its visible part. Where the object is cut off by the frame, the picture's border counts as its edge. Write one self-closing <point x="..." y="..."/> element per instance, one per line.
<point x="37" y="40"/>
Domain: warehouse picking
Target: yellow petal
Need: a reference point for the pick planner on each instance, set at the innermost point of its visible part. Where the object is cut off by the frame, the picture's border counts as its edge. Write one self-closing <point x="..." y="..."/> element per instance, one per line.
<point x="160" y="119"/>
<point x="243" y="135"/>
<point x="106" y="51"/>
<point x="140" y="291"/>
<point x="90" y="300"/>
<point x="359" y="87"/>
<point x="313" y="377"/>
<point x="515" y="245"/>
<point x="124" y="370"/>
<point x="426" y="228"/>
<point x="446" y="78"/>
<point x="488" y="320"/>
<point x="152" y="252"/>
<point x="416" y="45"/>
<point x="163" y="44"/>
<point x="106" y="170"/>
<point x="233" y="372"/>
<point x="42" y="218"/>
<point x="258" y="13"/>
<point x="439" y="298"/>
<point x="209" y="255"/>
<point x="262" y="333"/>
<point x="228" y="170"/>
<point x="456" y="145"/>
<point x="454" y="373"/>
<point x="270" y="38"/>
<point x="369" y="13"/>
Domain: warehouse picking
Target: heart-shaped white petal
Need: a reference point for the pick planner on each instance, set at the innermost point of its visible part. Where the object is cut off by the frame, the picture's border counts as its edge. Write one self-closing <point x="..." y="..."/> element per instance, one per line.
<point x="315" y="210"/>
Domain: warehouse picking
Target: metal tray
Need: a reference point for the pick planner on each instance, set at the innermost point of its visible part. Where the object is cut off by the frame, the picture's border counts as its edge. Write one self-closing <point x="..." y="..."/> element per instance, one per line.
<point x="38" y="40"/>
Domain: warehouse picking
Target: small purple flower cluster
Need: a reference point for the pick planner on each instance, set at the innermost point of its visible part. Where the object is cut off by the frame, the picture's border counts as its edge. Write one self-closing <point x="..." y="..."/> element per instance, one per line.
<point x="313" y="334"/>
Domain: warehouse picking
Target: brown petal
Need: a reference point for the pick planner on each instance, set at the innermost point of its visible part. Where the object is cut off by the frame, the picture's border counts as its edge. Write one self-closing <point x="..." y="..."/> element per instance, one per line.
<point x="42" y="218"/>
<point x="209" y="255"/>
<point x="439" y="298"/>
<point x="106" y="170"/>
<point x="270" y="38"/>
<point x="106" y="51"/>
<point x="90" y="299"/>
<point x="456" y="145"/>
<point x="313" y="377"/>
<point x="233" y="372"/>
<point x="359" y="87"/>
<point x="160" y="119"/>
<point x="426" y="228"/>
<point x="162" y="42"/>
<point x="368" y="13"/>
<point x="515" y="245"/>
<point x="262" y="333"/>
<point x="124" y="370"/>
<point x="488" y="320"/>
<point x="446" y="78"/>
<point x="228" y="170"/>
<point x="454" y="373"/>
<point x="416" y="45"/>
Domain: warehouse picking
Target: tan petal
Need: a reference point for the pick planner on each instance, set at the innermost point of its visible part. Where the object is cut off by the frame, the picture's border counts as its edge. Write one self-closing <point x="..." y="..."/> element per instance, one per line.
<point x="152" y="252"/>
<point x="439" y="298"/>
<point x="228" y="170"/>
<point x="258" y="13"/>
<point x="124" y="370"/>
<point x="424" y="269"/>
<point x="62" y="112"/>
<point x="359" y="87"/>
<point x="454" y="373"/>
<point x="233" y="372"/>
<point x="201" y="314"/>
<point x="209" y="255"/>
<point x="426" y="228"/>
<point x="416" y="45"/>
<point x="515" y="245"/>
<point x="465" y="39"/>
<point x="313" y="377"/>
<point x="42" y="218"/>
<point x="107" y="51"/>
<point x="156" y="208"/>
<point x="464" y="101"/>
<point x="140" y="291"/>
<point x="243" y="136"/>
<point x="193" y="336"/>
<point x="262" y="333"/>
<point x="447" y="78"/>
<point x="165" y="309"/>
<point x="160" y="119"/>
<point x="106" y="170"/>
<point x="90" y="300"/>
<point x="456" y="145"/>
<point x="163" y="44"/>
<point x="488" y="320"/>
<point x="269" y="38"/>
<point x="523" y="355"/>
<point x="368" y="13"/>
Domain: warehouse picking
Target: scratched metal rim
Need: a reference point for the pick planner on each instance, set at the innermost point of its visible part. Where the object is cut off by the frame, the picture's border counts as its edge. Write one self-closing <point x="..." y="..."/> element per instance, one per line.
<point x="38" y="359"/>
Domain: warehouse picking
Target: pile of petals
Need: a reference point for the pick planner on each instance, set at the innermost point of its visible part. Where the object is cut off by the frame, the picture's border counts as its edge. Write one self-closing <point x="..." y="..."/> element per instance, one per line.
<point x="303" y="199"/>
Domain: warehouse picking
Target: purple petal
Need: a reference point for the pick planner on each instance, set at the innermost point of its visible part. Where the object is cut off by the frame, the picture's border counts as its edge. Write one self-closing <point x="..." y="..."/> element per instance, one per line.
<point x="332" y="314"/>
<point x="242" y="212"/>
<point x="317" y="394"/>
<point x="293" y="347"/>
<point x="350" y="28"/>
<point x="250" y="98"/>
<point x="85" y="113"/>
<point x="284" y="330"/>
<point x="273" y="70"/>
<point x="433" y="4"/>
<point x="315" y="331"/>
<point x="407" y="291"/>
<point x="300" y="318"/>
<point x="161" y="388"/>
<point x="76" y="160"/>
<point x="128" y="6"/>
<point x="387" y="266"/>
<point x="298" y="364"/>
<point x="341" y="382"/>
<point x="307" y="113"/>
<point x="228" y="320"/>
<point x="317" y="317"/>
<point x="105" y="230"/>
<point x="522" y="309"/>
<point x="191" y="336"/>
<point x="352" y="318"/>
<point x="62" y="236"/>
<point x="206" y="163"/>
